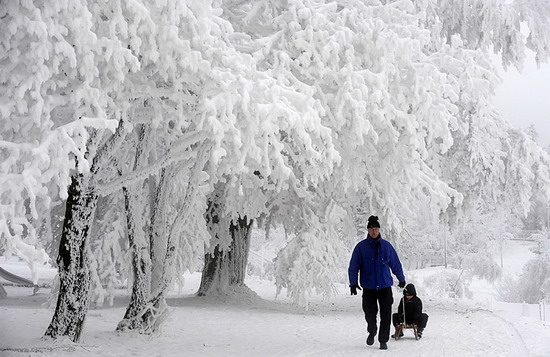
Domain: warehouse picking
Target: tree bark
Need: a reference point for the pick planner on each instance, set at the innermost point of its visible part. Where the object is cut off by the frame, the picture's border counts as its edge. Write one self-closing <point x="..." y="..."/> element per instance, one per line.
<point x="152" y="258"/>
<point x="150" y="263"/>
<point x="224" y="269"/>
<point x="73" y="262"/>
<point x="73" y="259"/>
<point x="134" y="318"/>
<point x="158" y="236"/>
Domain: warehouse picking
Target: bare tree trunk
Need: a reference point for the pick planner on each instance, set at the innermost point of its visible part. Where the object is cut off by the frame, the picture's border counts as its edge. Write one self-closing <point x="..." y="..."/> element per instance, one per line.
<point x="240" y="246"/>
<point x="134" y="318"/>
<point x="73" y="259"/>
<point x="145" y="310"/>
<point x="73" y="262"/>
<point x="153" y="257"/>
<point x="151" y="260"/>
<point x="223" y="269"/>
<point x="158" y="232"/>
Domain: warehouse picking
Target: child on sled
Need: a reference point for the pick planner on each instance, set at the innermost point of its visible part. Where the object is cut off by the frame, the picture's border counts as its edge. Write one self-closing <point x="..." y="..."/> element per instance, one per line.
<point x="412" y="313"/>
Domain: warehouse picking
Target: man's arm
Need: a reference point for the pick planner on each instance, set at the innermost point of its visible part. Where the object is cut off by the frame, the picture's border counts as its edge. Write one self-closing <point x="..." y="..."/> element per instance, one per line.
<point x="354" y="265"/>
<point x="395" y="265"/>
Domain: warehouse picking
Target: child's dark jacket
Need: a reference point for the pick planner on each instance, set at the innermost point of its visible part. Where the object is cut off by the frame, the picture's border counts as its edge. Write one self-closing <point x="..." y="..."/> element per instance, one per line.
<point x="413" y="307"/>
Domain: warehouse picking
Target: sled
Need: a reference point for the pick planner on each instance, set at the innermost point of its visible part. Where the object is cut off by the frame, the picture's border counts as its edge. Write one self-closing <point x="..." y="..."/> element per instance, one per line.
<point x="399" y="330"/>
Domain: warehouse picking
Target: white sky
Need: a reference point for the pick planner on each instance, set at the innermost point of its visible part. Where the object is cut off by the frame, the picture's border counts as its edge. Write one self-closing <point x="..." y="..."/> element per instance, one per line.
<point x="524" y="99"/>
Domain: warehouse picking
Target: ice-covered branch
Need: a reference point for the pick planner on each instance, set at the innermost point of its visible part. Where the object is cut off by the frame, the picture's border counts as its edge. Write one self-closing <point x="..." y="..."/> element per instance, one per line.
<point x="180" y="150"/>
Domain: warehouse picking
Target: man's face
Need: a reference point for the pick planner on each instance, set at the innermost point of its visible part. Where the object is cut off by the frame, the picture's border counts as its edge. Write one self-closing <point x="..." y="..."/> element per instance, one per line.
<point x="373" y="231"/>
<point x="409" y="297"/>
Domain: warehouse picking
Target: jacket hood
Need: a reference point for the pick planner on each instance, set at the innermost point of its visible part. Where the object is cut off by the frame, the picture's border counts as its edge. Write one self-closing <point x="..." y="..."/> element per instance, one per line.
<point x="409" y="289"/>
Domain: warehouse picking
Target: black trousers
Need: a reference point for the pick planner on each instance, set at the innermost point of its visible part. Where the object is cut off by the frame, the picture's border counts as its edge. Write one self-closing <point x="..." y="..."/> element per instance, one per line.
<point x="372" y="299"/>
<point x="421" y="323"/>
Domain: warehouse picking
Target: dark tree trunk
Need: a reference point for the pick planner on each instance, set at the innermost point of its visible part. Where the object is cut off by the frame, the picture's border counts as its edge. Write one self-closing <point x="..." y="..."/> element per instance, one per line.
<point x="223" y="269"/>
<point x="73" y="262"/>
<point x="240" y="246"/>
<point x="134" y="318"/>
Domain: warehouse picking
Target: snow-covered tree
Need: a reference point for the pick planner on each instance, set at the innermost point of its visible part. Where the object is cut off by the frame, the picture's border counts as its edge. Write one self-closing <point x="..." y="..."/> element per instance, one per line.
<point x="192" y="80"/>
<point x="40" y="140"/>
<point x="52" y="94"/>
<point x="406" y="89"/>
<point x="312" y="260"/>
<point x="483" y="163"/>
<point x="492" y="25"/>
<point x="378" y="92"/>
<point x="100" y="71"/>
<point x="109" y="258"/>
<point x="310" y="113"/>
<point x="282" y="147"/>
<point x="472" y="29"/>
<point x="533" y="285"/>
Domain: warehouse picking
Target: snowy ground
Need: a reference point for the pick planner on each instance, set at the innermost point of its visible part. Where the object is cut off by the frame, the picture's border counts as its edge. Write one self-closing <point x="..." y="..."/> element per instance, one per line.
<point x="252" y="326"/>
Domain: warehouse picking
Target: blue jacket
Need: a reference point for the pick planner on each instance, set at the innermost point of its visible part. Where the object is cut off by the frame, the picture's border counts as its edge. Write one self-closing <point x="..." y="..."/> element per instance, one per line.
<point x="372" y="259"/>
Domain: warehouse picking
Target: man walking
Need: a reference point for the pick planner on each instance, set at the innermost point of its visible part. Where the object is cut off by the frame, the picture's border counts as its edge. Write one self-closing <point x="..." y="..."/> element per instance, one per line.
<point x="372" y="259"/>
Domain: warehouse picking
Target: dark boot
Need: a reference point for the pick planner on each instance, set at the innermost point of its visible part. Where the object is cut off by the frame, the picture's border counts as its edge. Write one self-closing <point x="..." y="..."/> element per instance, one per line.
<point x="383" y="346"/>
<point x="370" y="339"/>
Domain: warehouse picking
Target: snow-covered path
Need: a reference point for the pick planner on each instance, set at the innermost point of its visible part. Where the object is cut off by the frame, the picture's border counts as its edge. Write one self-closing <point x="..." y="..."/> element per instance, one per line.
<point x="252" y="327"/>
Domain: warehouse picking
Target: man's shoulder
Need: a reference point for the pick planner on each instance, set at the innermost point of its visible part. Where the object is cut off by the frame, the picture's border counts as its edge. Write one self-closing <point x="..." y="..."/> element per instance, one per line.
<point x="363" y="245"/>
<point x="386" y="243"/>
<point x="362" y="240"/>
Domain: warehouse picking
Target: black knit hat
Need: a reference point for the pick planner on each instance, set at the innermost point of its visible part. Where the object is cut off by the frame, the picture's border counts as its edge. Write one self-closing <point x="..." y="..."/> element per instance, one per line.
<point x="409" y="290"/>
<point x="373" y="222"/>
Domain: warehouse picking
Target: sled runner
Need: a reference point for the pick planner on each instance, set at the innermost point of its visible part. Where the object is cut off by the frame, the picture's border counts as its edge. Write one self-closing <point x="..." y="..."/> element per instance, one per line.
<point x="400" y="329"/>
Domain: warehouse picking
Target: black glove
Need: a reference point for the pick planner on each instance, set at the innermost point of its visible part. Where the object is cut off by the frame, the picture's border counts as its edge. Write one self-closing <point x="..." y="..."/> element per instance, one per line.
<point x="353" y="289"/>
<point x="402" y="284"/>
